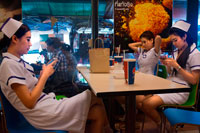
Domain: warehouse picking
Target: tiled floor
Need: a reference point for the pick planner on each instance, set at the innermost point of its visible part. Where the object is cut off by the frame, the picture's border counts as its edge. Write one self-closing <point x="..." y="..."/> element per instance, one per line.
<point x="150" y="126"/>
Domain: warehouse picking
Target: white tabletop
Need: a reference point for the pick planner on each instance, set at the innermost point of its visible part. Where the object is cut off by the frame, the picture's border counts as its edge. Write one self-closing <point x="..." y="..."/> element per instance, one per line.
<point x="105" y="83"/>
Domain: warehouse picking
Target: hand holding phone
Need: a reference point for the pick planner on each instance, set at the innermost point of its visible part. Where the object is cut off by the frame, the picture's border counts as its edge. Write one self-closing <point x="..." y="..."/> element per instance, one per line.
<point x="51" y="61"/>
<point x="163" y="57"/>
<point x="55" y="65"/>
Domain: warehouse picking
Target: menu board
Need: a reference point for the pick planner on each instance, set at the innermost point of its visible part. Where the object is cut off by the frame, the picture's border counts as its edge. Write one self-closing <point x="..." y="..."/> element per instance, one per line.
<point x="133" y="17"/>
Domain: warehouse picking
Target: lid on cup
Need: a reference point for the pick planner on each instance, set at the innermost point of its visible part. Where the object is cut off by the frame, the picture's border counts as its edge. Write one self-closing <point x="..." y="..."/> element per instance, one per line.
<point x="130" y="60"/>
<point x="118" y="56"/>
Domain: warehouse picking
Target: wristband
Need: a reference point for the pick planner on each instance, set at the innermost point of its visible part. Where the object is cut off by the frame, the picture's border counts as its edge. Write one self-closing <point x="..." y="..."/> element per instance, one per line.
<point x="178" y="69"/>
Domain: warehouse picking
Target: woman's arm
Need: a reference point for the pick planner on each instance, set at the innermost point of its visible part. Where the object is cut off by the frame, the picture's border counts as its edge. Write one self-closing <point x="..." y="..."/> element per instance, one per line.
<point x="29" y="98"/>
<point x="158" y="41"/>
<point x="134" y="46"/>
<point x="191" y="78"/>
<point x="162" y="60"/>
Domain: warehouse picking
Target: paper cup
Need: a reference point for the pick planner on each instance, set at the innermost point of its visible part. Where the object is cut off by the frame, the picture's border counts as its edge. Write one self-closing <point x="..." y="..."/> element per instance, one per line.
<point x="129" y="70"/>
<point x="111" y="61"/>
<point x="118" y="59"/>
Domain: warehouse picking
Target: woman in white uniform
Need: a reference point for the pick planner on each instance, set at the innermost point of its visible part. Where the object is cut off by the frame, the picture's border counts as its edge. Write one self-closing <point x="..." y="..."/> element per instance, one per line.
<point x="148" y="53"/>
<point x="184" y="68"/>
<point x="148" y="57"/>
<point x="24" y="91"/>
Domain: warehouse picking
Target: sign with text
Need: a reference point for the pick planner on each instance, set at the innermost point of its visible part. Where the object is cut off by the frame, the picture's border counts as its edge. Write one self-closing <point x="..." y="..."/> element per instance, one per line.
<point x="133" y="17"/>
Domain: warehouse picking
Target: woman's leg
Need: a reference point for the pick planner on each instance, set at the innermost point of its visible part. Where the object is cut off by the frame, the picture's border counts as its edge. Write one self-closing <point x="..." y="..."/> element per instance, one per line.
<point x="149" y="107"/>
<point x="96" y="118"/>
<point x="97" y="115"/>
<point x="140" y="99"/>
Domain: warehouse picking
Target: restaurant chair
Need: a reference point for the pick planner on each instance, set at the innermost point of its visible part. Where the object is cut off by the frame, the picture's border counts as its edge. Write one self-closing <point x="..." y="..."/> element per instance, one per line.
<point x="15" y="121"/>
<point x="161" y="71"/>
<point x="179" y="117"/>
<point x="190" y="104"/>
<point x="192" y="101"/>
<point x="58" y="97"/>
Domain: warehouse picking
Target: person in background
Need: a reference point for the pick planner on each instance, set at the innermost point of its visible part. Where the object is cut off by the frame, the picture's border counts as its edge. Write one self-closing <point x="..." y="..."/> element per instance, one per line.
<point x="54" y="48"/>
<point x="24" y="91"/>
<point x="71" y="63"/>
<point x="184" y="68"/>
<point x="83" y="50"/>
<point x="64" y="80"/>
<point x="148" y="52"/>
<point x="44" y="53"/>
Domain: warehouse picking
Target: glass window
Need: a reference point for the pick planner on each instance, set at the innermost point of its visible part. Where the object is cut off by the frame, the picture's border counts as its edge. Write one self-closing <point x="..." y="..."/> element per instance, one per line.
<point x="179" y="10"/>
<point x="71" y="19"/>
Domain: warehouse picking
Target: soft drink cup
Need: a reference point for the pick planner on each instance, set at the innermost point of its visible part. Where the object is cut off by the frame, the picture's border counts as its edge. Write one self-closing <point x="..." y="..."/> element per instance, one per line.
<point x="129" y="70"/>
<point x="111" y="61"/>
<point x="118" y="59"/>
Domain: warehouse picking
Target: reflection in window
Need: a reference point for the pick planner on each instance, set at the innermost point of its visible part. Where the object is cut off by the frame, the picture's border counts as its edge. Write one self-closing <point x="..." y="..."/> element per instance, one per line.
<point x="179" y="10"/>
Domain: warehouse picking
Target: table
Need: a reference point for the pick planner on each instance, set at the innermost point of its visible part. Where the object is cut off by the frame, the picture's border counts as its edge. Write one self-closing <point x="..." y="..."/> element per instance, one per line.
<point x="105" y="85"/>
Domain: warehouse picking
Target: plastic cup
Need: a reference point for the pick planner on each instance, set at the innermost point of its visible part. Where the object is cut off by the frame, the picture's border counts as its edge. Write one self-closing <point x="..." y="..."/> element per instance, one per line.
<point x="111" y="61"/>
<point x="118" y="59"/>
<point x="129" y="70"/>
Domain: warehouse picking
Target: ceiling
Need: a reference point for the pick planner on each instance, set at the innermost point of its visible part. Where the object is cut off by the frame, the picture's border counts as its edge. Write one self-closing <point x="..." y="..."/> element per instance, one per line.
<point x="61" y="14"/>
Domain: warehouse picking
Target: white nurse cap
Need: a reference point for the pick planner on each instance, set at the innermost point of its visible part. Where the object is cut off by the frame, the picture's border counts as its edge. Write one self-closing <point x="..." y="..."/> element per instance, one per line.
<point x="182" y="25"/>
<point x="10" y="26"/>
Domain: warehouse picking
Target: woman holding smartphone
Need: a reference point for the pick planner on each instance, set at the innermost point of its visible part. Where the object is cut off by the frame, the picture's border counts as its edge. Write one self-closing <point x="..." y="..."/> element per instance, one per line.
<point x="183" y="68"/>
<point x="24" y="91"/>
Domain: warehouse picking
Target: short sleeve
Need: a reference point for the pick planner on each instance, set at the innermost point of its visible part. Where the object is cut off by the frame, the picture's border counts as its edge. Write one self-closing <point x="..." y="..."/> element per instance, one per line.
<point x="12" y="72"/>
<point x="156" y="54"/>
<point x="194" y="61"/>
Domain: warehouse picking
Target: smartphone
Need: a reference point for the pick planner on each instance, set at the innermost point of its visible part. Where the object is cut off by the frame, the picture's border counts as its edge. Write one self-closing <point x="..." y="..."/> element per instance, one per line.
<point x="51" y="61"/>
<point x="163" y="57"/>
<point x="56" y="65"/>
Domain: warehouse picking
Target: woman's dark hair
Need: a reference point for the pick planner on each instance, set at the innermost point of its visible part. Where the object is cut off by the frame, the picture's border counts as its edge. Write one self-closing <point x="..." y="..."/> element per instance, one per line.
<point x="185" y="54"/>
<point x="66" y="47"/>
<point x="54" y="42"/>
<point x="148" y="35"/>
<point x="5" y="41"/>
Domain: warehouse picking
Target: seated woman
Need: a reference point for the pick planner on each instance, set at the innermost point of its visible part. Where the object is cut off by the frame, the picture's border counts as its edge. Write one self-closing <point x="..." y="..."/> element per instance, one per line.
<point x="148" y="56"/>
<point x="148" y="53"/>
<point x="24" y="91"/>
<point x="184" y="68"/>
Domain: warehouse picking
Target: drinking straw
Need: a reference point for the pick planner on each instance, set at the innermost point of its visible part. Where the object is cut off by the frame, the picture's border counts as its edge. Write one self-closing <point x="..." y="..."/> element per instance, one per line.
<point x="119" y="50"/>
<point x="124" y="53"/>
<point x="112" y="53"/>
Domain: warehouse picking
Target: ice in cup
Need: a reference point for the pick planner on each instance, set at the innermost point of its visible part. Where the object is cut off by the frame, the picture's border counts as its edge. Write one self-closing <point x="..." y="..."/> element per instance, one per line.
<point x="129" y="70"/>
<point x="118" y="59"/>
